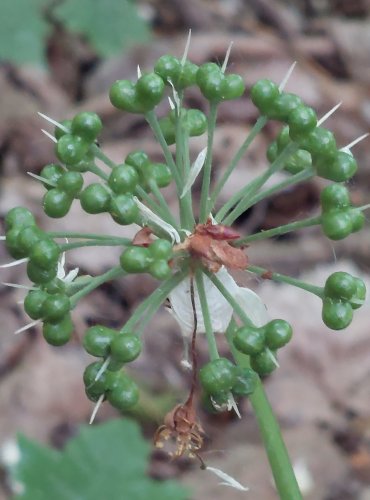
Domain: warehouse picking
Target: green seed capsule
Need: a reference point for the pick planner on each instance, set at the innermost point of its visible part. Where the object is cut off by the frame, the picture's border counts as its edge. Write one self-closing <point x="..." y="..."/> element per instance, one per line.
<point x="45" y="253"/>
<point x="168" y="68"/>
<point x="161" y="249"/>
<point x="125" y="347"/>
<point x="59" y="132"/>
<point x="302" y="120"/>
<point x="150" y="89"/>
<point x="87" y="125"/>
<point x="217" y="376"/>
<point x="57" y="203"/>
<point x="340" y="285"/>
<point x="95" y="199"/>
<point x="123" y="179"/>
<point x="263" y="95"/>
<point x="336" y="314"/>
<point x="160" y="270"/>
<point x="56" y="307"/>
<point x="334" y="196"/>
<point x="136" y="259"/>
<point x="33" y="303"/>
<point x="123" y="209"/>
<point x="125" y="395"/>
<point x="340" y="169"/>
<point x="28" y="237"/>
<point x="71" y="183"/>
<point x="282" y="107"/>
<point x="11" y="243"/>
<point x="264" y="363"/>
<point x="58" y="334"/>
<point x="278" y="333"/>
<point x="18" y="217"/>
<point x="246" y="382"/>
<point x="70" y="149"/>
<point x="94" y="387"/>
<point x="52" y="173"/>
<point x="97" y="340"/>
<point x="337" y="225"/>
<point x="360" y="295"/>
<point x="39" y="275"/>
<point x="249" y="340"/>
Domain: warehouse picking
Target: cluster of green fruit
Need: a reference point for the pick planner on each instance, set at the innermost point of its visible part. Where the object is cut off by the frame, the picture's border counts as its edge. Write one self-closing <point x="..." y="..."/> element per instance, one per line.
<point x="316" y="146"/>
<point x="342" y="294"/>
<point x="151" y="259"/>
<point x="339" y="219"/>
<point x="116" y="386"/>
<point x="144" y="95"/>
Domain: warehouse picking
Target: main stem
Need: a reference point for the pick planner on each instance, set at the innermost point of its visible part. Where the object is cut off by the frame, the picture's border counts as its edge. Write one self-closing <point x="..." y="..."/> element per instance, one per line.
<point x="204" y="196"/>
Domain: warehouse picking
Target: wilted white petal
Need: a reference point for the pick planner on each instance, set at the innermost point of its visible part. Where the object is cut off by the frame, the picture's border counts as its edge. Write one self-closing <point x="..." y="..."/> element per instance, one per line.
<point x="252" y="305"/>
<point x="287" y="76"/>
<point x="2" y="238"/>
<point x="347" y="149"/>
<point x="186" y="50"/>
<point x="273" y="358"/>
<point x="151" y="216"/>
<point x="14" y="263"/>
<point x="42" y="179"/>
<point x="231" y="405"/>
<point x="226" y="60"/>
<point x="10" y="453"/>
<point x="226" y="479"/>
<point x="181" y="307"/>
<point x="96" y="408"/>
<point x="194" y="171"/>
<point x="71" y="275"/>
<point x="175" y="95"/>
<point x="138" y="72"/>
<point x="27" y="327"/>
<point x="102" y="369"/>
<point x="329" y="113"/>
<point x="57" y="124"/>
<point x="172" y="106"/>
<point x="303" y="476"/>
<point x="49" y="135"/>
<point x="17" y="285"/>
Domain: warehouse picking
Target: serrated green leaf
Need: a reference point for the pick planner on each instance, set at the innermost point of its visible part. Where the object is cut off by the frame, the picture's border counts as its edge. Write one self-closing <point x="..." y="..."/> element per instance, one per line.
<point x="109" y="25"/>
<point x="22" y="31"/>
<point x="108" y="461"/>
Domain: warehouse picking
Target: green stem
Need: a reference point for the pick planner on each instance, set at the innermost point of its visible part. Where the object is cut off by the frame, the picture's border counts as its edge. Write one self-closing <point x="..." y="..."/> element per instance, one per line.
<point x="290" y="181"/>
<point x="98" y="171"/>
<point x="277" y="231"/>
<point x="282" y="278"/>
<point x="252" y="188"/>
<point x="90" y="236"/>
<point x="163" y="203"/>
<point x="98" y="153"/>
<point x="188" y="202"/>
<point x="113" y="273"/>
<point x="151" y="304"/>
<point x="154" y="125"/>
<point x="204" y="196"/>
<point x="211" y="340"/>
<point x="95" y="243"/>
<point x="281" y="466"/>
<point x="257" y="127"/>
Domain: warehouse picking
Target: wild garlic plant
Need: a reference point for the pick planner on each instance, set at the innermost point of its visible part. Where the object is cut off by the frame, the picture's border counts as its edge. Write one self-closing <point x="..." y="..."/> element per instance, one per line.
<point x="190" y="254"/>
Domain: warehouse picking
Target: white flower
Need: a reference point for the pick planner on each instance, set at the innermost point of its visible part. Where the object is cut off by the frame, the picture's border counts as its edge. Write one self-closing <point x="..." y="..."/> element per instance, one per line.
<point x="220" y="309"/>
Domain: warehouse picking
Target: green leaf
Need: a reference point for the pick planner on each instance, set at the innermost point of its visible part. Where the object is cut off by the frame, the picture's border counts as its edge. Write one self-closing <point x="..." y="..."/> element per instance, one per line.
<point x="22" y="31"/>
<point x="108" y="461"/>
<point x="109" y="25"/>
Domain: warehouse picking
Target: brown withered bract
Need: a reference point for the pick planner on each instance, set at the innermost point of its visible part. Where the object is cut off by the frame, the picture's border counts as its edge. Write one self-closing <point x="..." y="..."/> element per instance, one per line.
<point x="180" y="426"/>
<point x="143" y="238"/>
<point x="210" y="244"/>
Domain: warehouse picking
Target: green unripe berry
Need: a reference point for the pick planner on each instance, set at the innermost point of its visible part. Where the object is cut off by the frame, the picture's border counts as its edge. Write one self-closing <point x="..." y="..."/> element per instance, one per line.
<point x="97" y="340"/>
<point x="161" y="174"/>
<point x="95" y="387"/>
<point x="19" y="217"/>
<point x="340" y="285"/>
<point x="264" y="363"/>
<point x="123" y="96"/>
<point x="283" y="105"/>
<point x="302" y="120"/>
<point x="168" y="68"/>
<point x="45" y="253"/>
<point x="249" y="340"/>
<point x="123" y="209"/>
<point x="246" y="381"/>
<point x="340" y="169"/>
<point x="86" y="125"/>
<point x="125" y="347"/>
<point x="263" y="95"/>
<point x="137" y="159"/>
<point x="321" y="144"/>
<point x="52" y="173"/>
<point x="56" y="307"/>
<point x="136" y="259"/>
<point x="217" y="376"/>
<point x="56" y="203"/>
<point x="71" y="183"/>
<point x="40" y="275"/>
<point x="70" y="149"/>
<point x="33" y="303"/>
<point x="337" y="225"/>
<point x="357" y="218"/>
<point x="233" y="86"/>
<point x="160" y="270"/>
<point x="95" y="199"/>
<point x="196" y="122"/>
<point x="161" y="249"/>
<point x="336" y="314"/>
<point x="123" y="179"/>
<point x="360" y="295"/>
<point x="278" y="333"/>
<point x="58" y="334"/>
<point x="28" y="237"/>
<point x="150" y="89"/>
<point x="125" y="394"/>
<point x="334" y="196"/>
<point x="56" y="285"/>
<point x="11" y="243"/>
<point x="187" y="76"/>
